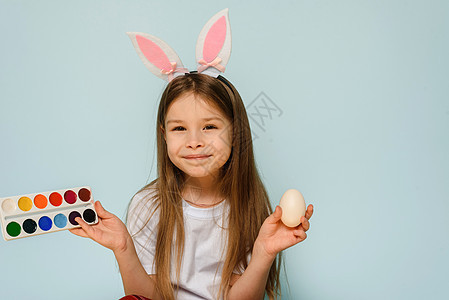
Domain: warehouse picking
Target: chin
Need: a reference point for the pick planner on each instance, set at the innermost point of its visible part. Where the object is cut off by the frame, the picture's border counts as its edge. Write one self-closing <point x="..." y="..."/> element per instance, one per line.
<point x="200" y="173"/>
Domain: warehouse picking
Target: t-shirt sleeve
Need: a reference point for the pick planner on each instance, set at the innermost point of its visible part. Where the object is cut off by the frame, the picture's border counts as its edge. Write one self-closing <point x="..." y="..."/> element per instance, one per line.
<point x="142" y="226"/>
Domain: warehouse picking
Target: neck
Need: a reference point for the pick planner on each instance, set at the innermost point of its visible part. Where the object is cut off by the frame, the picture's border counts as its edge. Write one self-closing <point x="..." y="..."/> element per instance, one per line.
<point x="202" y="192"/>
<point x="203" y="183"/>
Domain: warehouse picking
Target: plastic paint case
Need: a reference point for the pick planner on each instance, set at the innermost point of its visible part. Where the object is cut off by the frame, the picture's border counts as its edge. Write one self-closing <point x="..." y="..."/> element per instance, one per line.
<point x="38" y="213"/>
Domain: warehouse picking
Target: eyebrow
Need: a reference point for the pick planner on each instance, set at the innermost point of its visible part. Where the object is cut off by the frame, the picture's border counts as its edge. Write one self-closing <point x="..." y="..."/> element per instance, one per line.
<point x="204" y="119"/>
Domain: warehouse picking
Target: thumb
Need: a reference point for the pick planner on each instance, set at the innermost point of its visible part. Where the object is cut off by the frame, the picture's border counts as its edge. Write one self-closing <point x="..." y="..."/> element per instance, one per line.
<point x="102" y="213"/>
<point x="276" y="215"/>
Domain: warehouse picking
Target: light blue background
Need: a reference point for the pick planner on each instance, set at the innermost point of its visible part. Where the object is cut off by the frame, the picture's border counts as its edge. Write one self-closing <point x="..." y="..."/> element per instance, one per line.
<point x="364" y="132"/>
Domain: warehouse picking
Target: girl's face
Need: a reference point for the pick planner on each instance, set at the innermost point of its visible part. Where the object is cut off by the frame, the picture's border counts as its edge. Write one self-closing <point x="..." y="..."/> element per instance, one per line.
<point x="198" y="136"/>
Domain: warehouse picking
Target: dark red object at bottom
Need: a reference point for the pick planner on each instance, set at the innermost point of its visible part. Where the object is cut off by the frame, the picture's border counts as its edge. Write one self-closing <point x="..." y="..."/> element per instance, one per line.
<point x="134" y="297"/>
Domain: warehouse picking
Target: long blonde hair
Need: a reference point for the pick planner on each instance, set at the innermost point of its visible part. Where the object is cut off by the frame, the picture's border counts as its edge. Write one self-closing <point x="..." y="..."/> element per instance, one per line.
<point x="240" y="184"/>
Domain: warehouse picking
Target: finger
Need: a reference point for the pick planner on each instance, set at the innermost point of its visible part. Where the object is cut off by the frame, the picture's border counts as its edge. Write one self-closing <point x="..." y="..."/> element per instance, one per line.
<point x="309" y="211"/>
<point x="275" y="216"/>
<point x="305" y="223"/>
<point x="85" y="227"/>
<point x="102" y="213"/>
<point x="300" y="234"/>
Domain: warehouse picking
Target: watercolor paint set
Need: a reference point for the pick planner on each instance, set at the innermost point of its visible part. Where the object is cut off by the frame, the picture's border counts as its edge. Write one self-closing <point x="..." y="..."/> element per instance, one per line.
<point x="33" y="214"/>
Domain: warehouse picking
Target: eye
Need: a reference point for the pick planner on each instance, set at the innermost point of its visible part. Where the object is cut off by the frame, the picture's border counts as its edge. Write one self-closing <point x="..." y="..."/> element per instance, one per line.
<point x="179" y="128"/>
<point x="210" y="127"/>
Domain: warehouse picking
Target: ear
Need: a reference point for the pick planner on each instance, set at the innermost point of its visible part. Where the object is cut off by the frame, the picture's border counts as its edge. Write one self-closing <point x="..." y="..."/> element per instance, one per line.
<point x="157" y="55"/>
<point x="213" y="47"/>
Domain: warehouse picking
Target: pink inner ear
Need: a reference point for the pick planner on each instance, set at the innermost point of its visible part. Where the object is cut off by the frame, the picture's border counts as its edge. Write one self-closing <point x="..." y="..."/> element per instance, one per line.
<point x="153" y="53"/>
<point x="214" y="40"/>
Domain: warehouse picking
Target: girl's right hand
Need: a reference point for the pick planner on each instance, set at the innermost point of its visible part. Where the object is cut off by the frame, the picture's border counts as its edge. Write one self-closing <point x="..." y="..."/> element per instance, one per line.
<point x="109" y="232"/>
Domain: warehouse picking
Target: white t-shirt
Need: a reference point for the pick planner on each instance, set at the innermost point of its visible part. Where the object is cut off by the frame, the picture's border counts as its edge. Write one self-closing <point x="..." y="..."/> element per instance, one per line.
<point x="204" y="246"/>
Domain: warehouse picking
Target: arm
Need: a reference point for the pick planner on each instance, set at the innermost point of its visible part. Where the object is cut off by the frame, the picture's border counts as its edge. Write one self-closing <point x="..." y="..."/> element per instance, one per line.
<point x="135" y="279"/>
<point x="273" y="237"/>
<point x="111" y="233"/>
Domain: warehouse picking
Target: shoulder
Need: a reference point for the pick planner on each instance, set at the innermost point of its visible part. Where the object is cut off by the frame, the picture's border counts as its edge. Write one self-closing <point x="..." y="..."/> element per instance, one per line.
<point x="142" y="208"/>
<point x="145" y="198"/>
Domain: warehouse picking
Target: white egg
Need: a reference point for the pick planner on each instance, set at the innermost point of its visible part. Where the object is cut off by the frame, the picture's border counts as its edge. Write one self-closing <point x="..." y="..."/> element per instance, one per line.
<point x="293" y="207"/>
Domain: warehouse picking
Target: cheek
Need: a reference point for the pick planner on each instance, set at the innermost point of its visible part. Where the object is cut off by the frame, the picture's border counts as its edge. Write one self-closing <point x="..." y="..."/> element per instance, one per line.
<point x="173" y="157"/>
<point x="227" y="143"/>
<point x="171" y="148"/>
<point x="228" y="137"/>
<point x="224" y="150"/>
<point x="170" y="154"/>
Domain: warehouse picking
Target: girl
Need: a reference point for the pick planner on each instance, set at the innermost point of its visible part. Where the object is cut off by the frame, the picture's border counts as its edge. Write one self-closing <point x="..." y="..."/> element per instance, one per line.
<point x="204" y="229"/>
<point x="208" y="194"/>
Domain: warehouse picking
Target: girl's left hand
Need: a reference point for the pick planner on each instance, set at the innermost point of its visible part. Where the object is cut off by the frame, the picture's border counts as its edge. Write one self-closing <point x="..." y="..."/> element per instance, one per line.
<point x="274" y="236"/>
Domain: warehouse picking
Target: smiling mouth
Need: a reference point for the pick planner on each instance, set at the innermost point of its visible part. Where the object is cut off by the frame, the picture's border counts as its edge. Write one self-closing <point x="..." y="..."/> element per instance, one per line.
<point x="197" y="156"/>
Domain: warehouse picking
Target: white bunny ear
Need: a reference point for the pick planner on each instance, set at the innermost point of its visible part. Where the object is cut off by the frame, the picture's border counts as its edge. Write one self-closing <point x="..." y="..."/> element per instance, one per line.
<point x="213" y="47"/>
<point x="157" y="56"/>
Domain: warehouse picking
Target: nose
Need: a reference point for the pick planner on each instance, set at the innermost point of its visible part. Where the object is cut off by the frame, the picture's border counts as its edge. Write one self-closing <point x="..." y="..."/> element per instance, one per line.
<point x="194" y="139"/>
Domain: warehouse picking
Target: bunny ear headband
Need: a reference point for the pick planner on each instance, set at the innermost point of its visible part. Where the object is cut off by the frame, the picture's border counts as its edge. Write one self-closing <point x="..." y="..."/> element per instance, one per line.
<point x="213" y="49"/>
